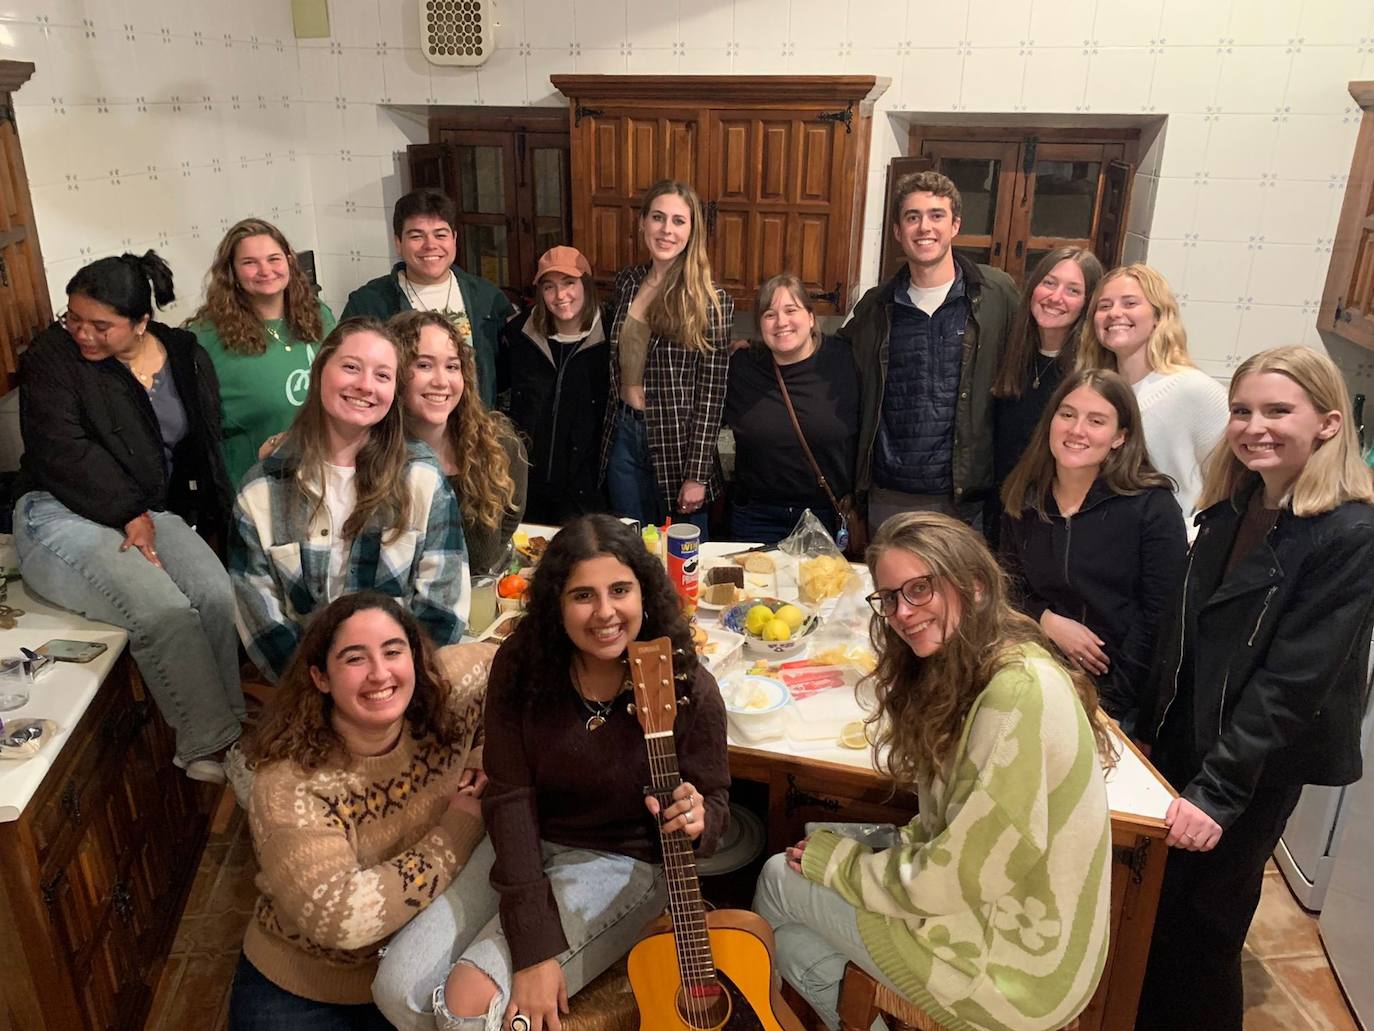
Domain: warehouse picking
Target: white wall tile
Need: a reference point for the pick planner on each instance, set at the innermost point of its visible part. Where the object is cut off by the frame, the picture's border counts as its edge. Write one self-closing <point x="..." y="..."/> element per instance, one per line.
<point x="1217" y="271"/>
<point x="1229" y="210"/>
<point x="1299" y="212"/>
<point x="609" y="61"/>
<point x="884" y="63"/>
<point x="1127" y="25"/>
<point x="405" y="75"/>
<point x="362" y="76"/>
<point x="1334" y="23"/>
<point x="707" y="26"/>
<point x="1062" y="25"/>
<point x="356" y="23"/>
<point x="931" y="80"/>
<point x="1184" y="148"/>
<point x="926" y="27"/>
<point x="1119" y="79"/>
<point x="644" y="60"/>
<point x="1252" y="79"/>
<point x="1314" y="147"/>
<point x="1318" y="76"/>
<point x="599" y="20"/>
<point x="1184" y="81"/>
<point x="1213" y="327"/>
<point x="1272" y="22"/>
<point x="319" y="71"/>
<point x="1241" y="146"/>
<point x="452" y="85"/>
<point x="401" y="24"/>
<point x="1281" y="274"/>
<point x="879" y="26"/>
<point x="1134" y="249"/>
<point x="1144" y="191"/>
<point x="992" y="78"/>
<point x="652" y="25"/>
<point x="1269" y="325"/>
<point x="1176" y="204"/>
<point x="501" y="80"/>
<point x="544" y="63"/>
<point x="1188" y="23"/>
<point x="1055" y="80"/>
<point x="998" y="23"/>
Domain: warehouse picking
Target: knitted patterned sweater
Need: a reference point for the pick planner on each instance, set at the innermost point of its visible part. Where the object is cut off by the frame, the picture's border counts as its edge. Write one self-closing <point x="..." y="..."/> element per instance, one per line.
<point x="349" y="855"/>
<point x="993" y="913"/>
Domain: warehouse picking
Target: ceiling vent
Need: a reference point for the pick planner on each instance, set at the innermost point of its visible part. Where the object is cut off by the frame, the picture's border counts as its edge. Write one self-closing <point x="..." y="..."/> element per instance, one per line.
<point x="457" y="32"/>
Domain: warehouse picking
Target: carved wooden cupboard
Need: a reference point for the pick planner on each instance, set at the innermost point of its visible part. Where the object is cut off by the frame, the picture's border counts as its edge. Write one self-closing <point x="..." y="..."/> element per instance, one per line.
<point x="1348" y="301"/>
<point x="780" y="164"/>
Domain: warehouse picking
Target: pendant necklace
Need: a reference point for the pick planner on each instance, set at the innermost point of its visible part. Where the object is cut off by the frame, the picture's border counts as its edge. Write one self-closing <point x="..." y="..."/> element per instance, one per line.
<point x="597" y="711"/>
<point x="1035" y="362"/>
<point x="419" y="303"/>
<point x="275" y="334"/>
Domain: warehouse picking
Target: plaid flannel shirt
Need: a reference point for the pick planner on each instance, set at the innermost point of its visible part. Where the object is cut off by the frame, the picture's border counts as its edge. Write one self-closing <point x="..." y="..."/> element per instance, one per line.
<point x="684" y="392"/>
<point x="279" y="551"/>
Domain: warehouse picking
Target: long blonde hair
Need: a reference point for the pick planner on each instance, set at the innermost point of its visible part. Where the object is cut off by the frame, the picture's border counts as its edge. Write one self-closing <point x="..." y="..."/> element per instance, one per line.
<point x="485" y="487"/>
<point x="1167" y="348"/>
<point x="1334" y="473"/>
<point x="228" y="309"/>
<point x="681" y="310"/>
<point x="380" y="468"/>
<point x="922" y="703"/>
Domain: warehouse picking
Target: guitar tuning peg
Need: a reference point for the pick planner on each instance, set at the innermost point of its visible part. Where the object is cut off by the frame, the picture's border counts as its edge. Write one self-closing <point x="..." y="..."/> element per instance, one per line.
<point x="684" y="702"/>
<point x="630" y="708"/>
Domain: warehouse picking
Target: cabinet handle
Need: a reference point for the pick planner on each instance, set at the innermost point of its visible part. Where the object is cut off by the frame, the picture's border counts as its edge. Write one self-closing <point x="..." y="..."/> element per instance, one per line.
<point x="71" y="802"/>
<point x="997" y="249"/>
<point x="122" y="900"/>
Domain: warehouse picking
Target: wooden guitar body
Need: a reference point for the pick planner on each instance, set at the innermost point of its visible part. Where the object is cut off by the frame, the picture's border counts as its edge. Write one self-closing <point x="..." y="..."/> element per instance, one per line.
<point x="741" y="945"/>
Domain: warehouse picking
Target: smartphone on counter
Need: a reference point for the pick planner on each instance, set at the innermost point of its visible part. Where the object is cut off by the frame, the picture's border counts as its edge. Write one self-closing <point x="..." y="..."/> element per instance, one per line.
<point x="64" y="650"/>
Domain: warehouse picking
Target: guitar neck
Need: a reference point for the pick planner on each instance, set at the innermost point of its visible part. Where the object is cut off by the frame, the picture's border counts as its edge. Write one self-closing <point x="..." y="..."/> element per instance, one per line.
<point x="690" y="932"/>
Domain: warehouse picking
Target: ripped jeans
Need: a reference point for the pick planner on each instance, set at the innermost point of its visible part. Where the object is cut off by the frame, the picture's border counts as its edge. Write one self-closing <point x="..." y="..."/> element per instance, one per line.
<point x="605" y="900"/>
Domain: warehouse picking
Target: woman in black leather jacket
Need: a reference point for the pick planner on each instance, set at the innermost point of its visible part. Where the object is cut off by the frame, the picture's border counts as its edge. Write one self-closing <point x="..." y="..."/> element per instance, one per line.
<point x="1260" y="682"/>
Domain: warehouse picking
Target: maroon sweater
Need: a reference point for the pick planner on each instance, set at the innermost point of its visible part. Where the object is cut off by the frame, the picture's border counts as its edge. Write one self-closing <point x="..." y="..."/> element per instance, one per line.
<point x="553" y="780"/>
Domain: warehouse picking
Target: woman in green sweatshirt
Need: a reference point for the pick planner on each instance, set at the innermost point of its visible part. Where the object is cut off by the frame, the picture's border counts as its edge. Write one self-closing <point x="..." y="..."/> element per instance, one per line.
<point x="992" y="910"/>
<point x="261" y="324"/>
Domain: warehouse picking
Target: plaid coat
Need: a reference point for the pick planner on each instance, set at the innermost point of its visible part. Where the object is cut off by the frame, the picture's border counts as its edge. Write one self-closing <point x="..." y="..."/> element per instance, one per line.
<point x="684" y="393"/>
<point x="279" y="549"/>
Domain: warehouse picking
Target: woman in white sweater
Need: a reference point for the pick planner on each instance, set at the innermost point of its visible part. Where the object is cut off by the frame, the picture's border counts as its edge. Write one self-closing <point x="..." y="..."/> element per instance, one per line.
<point x="1136" y="330"/>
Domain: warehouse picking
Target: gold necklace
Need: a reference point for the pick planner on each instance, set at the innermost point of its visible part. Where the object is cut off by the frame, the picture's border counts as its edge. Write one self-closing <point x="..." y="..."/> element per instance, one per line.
<point x="598" y="712"/>
<point x="275" y="334"/>
<point x="144" y="378"/>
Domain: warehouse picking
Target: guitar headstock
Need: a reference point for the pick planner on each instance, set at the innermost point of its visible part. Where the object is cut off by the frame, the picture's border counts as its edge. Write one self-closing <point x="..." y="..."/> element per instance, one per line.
<point x="651" y="672"/>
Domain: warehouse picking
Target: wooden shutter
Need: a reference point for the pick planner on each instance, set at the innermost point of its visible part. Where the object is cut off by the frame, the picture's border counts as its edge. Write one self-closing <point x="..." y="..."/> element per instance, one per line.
<point x="892" y="256"/>
<point x="1111" y="212"/>
<point x="1348" y="301"/>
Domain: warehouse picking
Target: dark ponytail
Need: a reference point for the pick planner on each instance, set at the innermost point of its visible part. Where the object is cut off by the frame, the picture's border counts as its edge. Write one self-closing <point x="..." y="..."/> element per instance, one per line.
<point x="128" y="283"/>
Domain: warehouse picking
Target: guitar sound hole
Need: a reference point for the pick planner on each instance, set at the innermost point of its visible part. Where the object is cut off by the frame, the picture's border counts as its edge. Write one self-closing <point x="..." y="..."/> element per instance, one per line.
<point x="706" y="1011"/>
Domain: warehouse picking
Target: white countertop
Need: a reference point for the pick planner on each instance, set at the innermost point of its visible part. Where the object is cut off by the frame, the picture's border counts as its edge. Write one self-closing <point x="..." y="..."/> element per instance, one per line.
<point x="62" y="695"/>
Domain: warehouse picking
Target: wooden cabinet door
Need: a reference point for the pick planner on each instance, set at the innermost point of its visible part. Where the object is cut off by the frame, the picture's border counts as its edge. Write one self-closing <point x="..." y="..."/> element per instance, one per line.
<point x="619" y="153"/>
<point x="1348" y="299"/>
<point x="777" y="201"/>
<point x="24" y="306"/>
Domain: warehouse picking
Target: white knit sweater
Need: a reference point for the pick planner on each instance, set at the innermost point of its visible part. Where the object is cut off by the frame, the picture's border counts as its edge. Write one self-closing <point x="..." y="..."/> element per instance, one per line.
<point x="1183" y="415"/>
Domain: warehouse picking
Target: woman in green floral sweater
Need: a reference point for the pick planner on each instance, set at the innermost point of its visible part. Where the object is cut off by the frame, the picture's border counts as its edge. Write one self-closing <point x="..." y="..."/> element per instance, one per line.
<point x="992" y="911"/>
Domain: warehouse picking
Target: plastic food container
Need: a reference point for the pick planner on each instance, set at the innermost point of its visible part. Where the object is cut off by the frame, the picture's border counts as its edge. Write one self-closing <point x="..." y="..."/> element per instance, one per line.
<point x="754" y="706"/>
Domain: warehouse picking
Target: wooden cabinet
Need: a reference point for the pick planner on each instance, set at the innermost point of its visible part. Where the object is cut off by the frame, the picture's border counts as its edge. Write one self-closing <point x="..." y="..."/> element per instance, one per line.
<point x="24" y="306"/>
<point x="780" y="164"/>
<point x="1348" y="300"/>
<point x="94" y="874"/>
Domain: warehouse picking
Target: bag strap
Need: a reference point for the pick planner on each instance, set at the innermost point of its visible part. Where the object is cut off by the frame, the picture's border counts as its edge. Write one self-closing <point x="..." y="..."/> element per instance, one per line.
<point x="801" y="438"/>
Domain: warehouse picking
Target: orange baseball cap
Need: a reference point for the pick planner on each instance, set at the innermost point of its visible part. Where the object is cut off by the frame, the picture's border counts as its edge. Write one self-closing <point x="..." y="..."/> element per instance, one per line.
<point x="567" y="260"/>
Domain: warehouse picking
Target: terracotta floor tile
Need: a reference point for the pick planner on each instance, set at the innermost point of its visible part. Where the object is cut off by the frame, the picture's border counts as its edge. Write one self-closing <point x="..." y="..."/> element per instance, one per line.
<point x="187" y="931"/>
<point x="203" y="886"/>
<point x="215" y="934"/>
<point x="200" y="997"/>
<point x="235" y="893"/>
<point x="1281" y="927"/>
<point x="1267" y="1006"/>
<point x="165" y="994"/>
<point x="1308" y="979"/>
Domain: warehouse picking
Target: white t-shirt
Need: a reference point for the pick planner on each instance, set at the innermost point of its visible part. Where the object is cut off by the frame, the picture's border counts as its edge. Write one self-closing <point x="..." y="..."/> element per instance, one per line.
<point x="928" y="298"/>
<point x="444" y="297"/>
<point x="340" y="498"/>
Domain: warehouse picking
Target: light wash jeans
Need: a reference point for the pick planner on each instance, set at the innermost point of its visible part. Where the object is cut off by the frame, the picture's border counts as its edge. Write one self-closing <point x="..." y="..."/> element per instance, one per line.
<point x="815" y="933"/>
<point x="605" y="901"/>
<point x="180" y="618"/>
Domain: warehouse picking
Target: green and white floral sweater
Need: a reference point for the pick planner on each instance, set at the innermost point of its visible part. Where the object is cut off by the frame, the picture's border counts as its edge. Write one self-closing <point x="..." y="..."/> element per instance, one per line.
<point x="994" y="911"/>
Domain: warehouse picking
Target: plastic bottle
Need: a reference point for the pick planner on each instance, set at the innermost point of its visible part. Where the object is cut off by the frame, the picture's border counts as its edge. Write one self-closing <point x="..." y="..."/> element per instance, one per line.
<point x="650" y="535"/>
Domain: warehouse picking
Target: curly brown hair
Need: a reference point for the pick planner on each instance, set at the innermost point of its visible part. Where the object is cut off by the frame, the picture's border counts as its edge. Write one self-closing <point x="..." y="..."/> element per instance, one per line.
<point x="380" y="467"/>
<point x="922" y="703"/>
<point x="540" y="651"/>
<point x="228" y="309"/>
<point x="296" y="725"/>
<point x="473" y="434"/>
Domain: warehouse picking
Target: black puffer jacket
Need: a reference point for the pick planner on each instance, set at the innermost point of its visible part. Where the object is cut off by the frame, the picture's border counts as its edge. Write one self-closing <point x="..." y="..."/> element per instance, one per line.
<point x="92" y="439"/>
<point x="1263" y="672"/>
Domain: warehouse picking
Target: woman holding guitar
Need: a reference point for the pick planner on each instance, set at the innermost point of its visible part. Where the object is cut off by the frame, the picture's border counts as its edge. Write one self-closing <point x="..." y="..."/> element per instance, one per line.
<point x="572" y="873"/>
<point x="992" y="911"/>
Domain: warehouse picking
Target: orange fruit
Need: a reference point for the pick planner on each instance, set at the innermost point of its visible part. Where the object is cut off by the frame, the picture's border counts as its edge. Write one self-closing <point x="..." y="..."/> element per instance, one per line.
<point x="512" y="586"/>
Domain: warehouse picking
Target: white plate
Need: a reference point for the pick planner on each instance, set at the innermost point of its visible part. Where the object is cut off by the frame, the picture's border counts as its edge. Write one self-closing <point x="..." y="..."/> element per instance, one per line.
<point x="727" y="647"/>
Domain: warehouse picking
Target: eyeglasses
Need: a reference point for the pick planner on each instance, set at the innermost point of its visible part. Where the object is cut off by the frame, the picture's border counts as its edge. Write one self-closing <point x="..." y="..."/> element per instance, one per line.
<point x="73" y="323"/>
<point x="917" y="591"/>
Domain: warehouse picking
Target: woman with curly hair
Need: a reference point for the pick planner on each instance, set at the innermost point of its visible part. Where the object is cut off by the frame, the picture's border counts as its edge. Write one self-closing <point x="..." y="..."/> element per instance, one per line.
<point x="477" y="449"/>
<point x="576" y="872"/>
<point x="346" y="504"/>
<point x="670" y="355"/>
<point x="1092" y="537"/>
<point x="365" y="807"/>
<point x="993" y="910"/>
<point x="1136" y="329"/>
<point x="261" y="324"/>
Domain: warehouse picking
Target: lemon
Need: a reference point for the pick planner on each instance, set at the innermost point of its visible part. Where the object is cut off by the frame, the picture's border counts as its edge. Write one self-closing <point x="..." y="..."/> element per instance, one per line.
<point x="757" y="618"/>
<point x="852" y="735"/>
<point x="776" y="630"/>
<point x="792" y="616"/>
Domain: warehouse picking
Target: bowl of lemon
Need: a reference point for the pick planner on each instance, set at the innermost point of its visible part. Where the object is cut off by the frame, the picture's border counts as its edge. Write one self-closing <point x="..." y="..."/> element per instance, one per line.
<point x="771" y="628"/>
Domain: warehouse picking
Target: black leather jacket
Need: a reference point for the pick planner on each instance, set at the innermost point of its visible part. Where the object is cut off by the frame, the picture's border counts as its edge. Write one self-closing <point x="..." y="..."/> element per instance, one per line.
<point x="1263" y="674"/>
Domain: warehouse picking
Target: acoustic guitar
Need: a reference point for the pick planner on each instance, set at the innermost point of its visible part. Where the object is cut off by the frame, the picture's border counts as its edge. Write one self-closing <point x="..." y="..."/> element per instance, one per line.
<point x="693" y="970"/>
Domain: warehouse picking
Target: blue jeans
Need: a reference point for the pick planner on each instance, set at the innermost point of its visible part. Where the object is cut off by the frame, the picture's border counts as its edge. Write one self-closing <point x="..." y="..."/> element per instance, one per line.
<point x="631" y="484"/>
<point x="605" y="901"/>
<point x="257" y="1004"/>
<point x="760" y="522"/>
<point x="815" y="933"/>
<point x="180" y="618"/>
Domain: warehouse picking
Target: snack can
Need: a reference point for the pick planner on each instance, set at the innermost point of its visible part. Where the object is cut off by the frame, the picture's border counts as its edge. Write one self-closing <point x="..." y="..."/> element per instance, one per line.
<point x="684" y="541"/>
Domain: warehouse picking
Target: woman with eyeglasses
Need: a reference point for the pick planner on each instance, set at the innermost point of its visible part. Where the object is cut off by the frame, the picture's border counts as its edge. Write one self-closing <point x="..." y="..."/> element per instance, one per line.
<point x="122" y="477"/>
<point x="993" y="911"/>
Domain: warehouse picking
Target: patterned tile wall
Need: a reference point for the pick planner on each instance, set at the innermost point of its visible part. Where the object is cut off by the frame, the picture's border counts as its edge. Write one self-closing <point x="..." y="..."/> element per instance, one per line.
<point x="152" y="120"/>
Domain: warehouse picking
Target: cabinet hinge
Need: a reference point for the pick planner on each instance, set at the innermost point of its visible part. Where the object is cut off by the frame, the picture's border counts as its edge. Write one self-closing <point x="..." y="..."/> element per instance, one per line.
<point x="846" y="116"/>
<point x="1134" y="858"/>
<point x="833" y="296"/>
<point x="585" y="112"/>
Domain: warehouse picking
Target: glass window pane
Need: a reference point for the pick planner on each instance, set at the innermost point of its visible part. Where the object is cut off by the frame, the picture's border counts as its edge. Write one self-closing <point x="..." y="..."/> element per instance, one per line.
<point x="485" y="254"/>
<point x="481" y="180"/>
<point x="977" y="182"/>
<point x="1032" y="259"/>
<point x="1065" y="192"/>
<point x="982" y="255"/>
<point x="546" y="237"/>
<point x="548" y="182"/>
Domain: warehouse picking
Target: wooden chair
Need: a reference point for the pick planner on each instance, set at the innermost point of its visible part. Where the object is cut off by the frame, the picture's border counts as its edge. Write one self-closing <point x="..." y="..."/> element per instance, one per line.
<point x="863" y="1000"/>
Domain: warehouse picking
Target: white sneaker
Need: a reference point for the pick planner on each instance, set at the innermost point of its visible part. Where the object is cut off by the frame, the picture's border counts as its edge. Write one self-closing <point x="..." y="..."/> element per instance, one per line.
<point x="211" y="771"/>
<point x="239" y="775"/>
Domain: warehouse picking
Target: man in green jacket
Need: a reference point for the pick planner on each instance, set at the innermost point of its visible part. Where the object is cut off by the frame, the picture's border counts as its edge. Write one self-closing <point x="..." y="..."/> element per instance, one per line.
<point x="427" y="279"/>
<point x="928" y="344"/>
